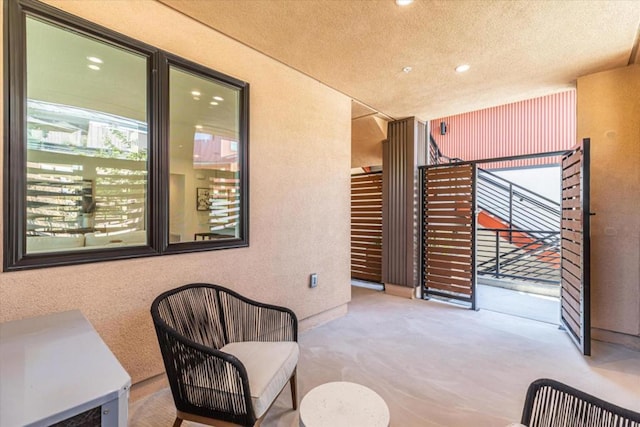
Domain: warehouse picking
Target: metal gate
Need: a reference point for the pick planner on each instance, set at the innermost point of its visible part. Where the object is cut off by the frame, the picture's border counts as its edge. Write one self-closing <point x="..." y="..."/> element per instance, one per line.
<point x="575" y="293"/>
<point x="448" y="232"/>
<point x="366" y="227"/>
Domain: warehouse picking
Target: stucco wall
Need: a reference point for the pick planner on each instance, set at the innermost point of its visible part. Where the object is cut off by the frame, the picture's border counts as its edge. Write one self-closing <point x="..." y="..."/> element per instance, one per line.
<point x="299" y="201"/>
<point x="367" y="134"/>
<point x="609" y="114"/>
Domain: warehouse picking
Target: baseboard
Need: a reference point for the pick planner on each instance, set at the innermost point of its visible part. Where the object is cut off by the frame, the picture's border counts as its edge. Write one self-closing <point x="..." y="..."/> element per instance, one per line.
<point x="149" y="386"/>
<point x="630" y="341"/>
<point x="399" y="291"/>
<point x="322" y="318"/>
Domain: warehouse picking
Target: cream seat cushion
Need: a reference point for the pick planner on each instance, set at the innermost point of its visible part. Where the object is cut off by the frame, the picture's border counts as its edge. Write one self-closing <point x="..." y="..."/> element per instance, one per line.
<point x="269" y="366"/>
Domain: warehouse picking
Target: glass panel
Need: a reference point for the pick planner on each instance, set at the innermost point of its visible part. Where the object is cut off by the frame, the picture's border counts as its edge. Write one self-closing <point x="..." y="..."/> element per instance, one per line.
<point x="87" y="142"/>
<point x="204" y="191"/>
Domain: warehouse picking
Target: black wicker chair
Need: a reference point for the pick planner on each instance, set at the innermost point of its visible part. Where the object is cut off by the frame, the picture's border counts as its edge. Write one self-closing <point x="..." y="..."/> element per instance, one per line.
<point x="227" y="357"/>
<point x="550" y="403"/>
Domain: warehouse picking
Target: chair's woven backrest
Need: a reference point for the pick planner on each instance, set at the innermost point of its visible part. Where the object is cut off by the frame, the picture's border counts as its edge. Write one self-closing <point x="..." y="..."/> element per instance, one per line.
<point x="550" y="403"/>
<point x="190" y="325"/>
<point x="194" y="312"/>
<point x="253" y="322"/>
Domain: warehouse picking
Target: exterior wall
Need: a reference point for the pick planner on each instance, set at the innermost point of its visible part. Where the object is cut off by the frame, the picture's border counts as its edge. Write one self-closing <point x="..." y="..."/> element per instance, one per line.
<point x="533" y="126"/>
<point x="300" y="134"/>
<point x="609" y="114"/>
<point x="367" y="134"/>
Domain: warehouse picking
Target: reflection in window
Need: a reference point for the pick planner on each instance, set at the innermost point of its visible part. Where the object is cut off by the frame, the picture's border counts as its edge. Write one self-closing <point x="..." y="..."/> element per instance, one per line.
<point x="211" y="150"/>
<point x="204" y="164"/>
<point x="87" y="144"/>
<point x="88" y="141"/>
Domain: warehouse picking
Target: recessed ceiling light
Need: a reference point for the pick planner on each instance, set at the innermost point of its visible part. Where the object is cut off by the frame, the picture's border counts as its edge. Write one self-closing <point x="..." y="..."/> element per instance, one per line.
<point x="407" y="69"/>
<point x="93" y="67"/>
<point x="403" y="2"/>
<point x="195" y="93"/>
<point x="196" y="98"/>
<point x="462" y="68"/>
<point x="213" y="103"/>
<point x="198" y="126"/>
<point x="94" y="59"/>
<point x="218" y="98"/>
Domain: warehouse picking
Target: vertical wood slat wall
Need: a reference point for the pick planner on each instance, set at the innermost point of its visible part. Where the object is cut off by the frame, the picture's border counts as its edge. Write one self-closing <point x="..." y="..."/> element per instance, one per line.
<point x="366" y="227"/>
<point x="403" y="151"/>
<point x="449" y="231"/>
<point x="572" y="240"/>
<point x="531" y="126"/>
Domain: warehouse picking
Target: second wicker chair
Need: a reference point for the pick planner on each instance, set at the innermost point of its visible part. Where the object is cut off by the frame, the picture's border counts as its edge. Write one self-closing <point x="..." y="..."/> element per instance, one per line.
<point x="551" y="403"/>
<point x="227" y="357"/>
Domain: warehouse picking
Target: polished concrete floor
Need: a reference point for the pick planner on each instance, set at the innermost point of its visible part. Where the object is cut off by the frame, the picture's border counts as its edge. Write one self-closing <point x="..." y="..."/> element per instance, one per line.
<point x="438" y="365"/>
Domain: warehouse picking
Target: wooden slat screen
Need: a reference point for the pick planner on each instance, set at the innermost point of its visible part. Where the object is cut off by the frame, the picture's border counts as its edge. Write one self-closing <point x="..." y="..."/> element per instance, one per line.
<point x="448" y="236"/>
<point x="574" y="304"/>
<point x="54" y="195"/>
<point x="366" y="227"/>
<point x="121" y="197"/>
<point x="224" y="204"/>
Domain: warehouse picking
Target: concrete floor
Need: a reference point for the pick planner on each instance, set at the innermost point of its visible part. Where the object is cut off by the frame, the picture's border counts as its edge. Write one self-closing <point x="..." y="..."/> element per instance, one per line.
<point x="505" y="300"/>
<point x="517" y="303"/>
<point x="437" y="364"/>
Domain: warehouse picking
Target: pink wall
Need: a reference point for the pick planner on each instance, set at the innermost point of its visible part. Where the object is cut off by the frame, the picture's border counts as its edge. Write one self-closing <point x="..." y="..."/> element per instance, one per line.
<point x="533" y="126"/>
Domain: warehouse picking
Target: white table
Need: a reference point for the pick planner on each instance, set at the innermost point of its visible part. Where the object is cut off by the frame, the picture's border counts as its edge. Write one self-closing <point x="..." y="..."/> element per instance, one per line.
<point x="55" y="367"/>
<point x="343" y="404"/>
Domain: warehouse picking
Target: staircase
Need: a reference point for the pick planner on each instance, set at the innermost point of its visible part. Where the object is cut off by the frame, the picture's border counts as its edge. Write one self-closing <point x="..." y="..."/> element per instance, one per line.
<point x="518" y="233"/>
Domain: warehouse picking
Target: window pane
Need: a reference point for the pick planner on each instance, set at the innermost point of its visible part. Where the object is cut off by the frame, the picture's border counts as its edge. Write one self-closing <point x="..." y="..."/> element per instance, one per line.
<point x="87" y="142"/>
<point x="204" y="192"/>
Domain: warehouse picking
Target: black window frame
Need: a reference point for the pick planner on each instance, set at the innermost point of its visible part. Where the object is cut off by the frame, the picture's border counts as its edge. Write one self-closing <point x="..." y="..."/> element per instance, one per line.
<point x="157" y="203"/>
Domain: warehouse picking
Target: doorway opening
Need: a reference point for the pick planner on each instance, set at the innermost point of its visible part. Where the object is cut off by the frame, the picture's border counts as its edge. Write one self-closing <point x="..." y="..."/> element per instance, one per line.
<point x="475" y="223"/>
<point x="518" y="240"/>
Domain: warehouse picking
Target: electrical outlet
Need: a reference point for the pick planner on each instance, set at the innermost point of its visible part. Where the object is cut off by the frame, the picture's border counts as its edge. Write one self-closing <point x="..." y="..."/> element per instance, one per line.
<point x="313" y="280"/>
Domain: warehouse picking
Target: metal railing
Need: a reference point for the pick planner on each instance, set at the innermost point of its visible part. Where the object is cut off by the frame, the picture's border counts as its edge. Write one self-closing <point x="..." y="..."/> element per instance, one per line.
<point x="514" y="253"/>
<point x="435" y="155"/>
<point x="515" y="205"/>
<point x="528" y="246"/>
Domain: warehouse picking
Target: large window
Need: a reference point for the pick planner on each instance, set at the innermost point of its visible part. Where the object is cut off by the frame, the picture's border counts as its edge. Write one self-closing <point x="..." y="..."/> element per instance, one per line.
<point x="115" y="149"/>
<point x="204" y="167"/>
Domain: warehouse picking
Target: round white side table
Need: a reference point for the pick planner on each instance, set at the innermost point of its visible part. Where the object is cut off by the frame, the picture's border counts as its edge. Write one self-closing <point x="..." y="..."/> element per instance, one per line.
<point x="343" y="404"/>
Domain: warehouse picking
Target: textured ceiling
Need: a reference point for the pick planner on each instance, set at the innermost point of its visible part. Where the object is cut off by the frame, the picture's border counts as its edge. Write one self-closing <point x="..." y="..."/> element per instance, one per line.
<point x="516" y="49"/>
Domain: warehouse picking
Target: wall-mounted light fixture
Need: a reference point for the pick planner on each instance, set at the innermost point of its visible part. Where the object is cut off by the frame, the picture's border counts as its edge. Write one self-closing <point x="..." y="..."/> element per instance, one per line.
<point x="443" y="128"/>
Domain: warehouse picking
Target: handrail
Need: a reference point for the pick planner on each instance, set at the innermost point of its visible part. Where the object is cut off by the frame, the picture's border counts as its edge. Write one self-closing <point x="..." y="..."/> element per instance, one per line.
<point x="516" y="207"/>
<point x="518" y="186"/>
<point x="439" y="154"/>
<point x="536" y="260"/>
<point x="456" y="159"/>
<point x="506" y="230"/>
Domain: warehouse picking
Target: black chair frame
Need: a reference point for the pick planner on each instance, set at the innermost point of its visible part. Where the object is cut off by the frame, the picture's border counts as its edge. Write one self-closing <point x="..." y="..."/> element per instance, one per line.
<point x="192" y="323"/>
<point x="550" y="403"/>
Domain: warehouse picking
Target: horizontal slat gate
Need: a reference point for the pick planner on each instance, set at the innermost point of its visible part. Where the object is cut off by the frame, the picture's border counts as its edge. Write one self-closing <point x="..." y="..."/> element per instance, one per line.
<point x="575" y="305"/>
<point x="366" y="227"/>
<point x="449" y="232"/>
